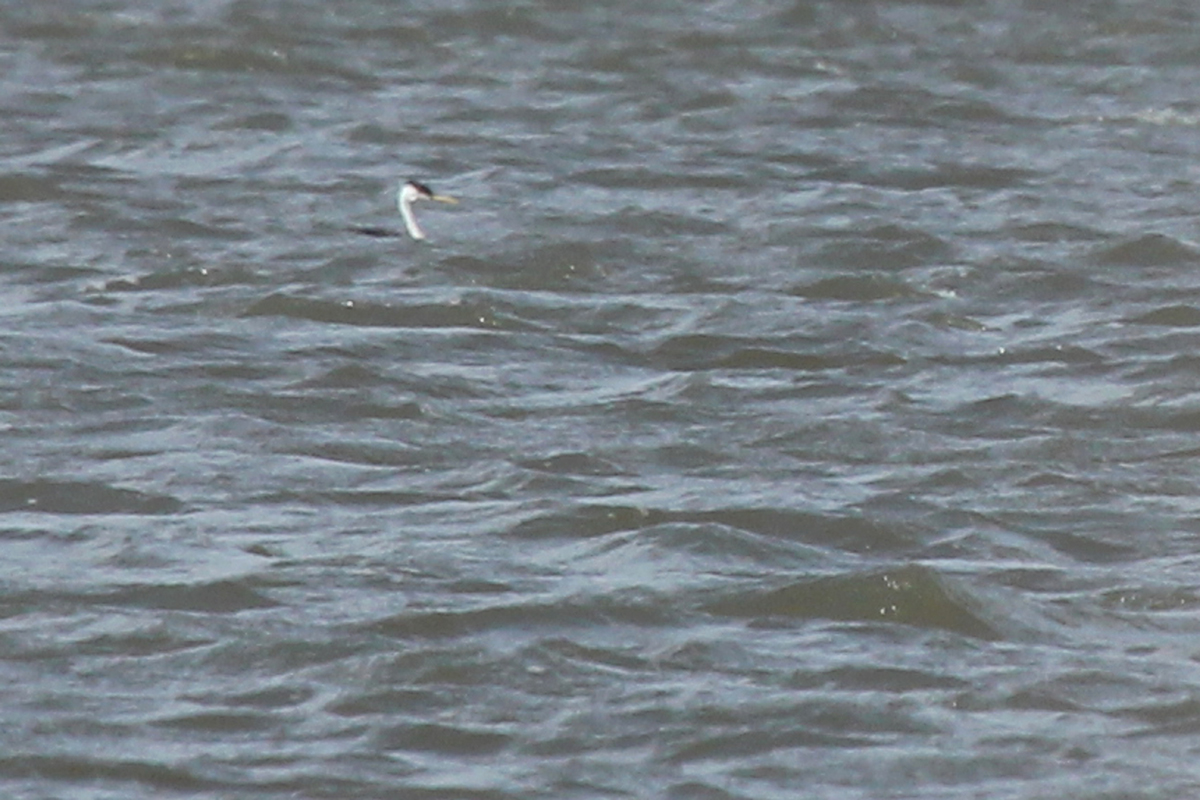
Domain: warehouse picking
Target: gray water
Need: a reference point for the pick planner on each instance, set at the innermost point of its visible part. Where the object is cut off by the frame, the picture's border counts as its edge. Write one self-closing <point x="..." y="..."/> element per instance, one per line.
<point x="800" y="402"/>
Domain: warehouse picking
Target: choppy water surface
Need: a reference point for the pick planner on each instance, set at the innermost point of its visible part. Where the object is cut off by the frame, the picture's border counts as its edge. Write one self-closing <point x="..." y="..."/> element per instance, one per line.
<point x="801" y="402"/>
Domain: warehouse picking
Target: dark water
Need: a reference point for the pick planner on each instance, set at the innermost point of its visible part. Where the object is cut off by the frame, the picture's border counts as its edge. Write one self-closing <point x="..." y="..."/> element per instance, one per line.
<point x="801" y="402"/>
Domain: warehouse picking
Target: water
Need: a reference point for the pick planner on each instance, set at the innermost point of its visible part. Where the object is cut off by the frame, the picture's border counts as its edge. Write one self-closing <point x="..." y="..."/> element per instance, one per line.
<point x="801" y="401"/>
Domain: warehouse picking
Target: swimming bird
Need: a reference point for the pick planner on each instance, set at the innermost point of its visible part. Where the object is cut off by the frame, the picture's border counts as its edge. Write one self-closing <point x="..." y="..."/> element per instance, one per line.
<point x="409" y="193"/>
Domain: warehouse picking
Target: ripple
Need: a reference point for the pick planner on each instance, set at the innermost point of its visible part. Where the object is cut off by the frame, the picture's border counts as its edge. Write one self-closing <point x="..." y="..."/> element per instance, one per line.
<point x="886" y="247"/>
<point x="26" y="188"/>
<point x="1174" y="316"/>
<point x="84" y="770"/>
<point x="184" y="278"/>
<point x="1149" y="250"/>
<point x="577" y="463"/>
<point x="220" y="597"/>
<point x="78" y="497"/>
<point x="909" y="595"/>
<point x="693" y="352"/>
<point x="373" y="314"/>
<point x="459" y="741"/>
<point x="856" y="288"/>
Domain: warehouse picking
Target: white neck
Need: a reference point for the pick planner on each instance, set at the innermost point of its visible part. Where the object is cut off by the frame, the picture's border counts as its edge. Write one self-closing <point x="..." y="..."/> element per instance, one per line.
<point x="410" y="221"/>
